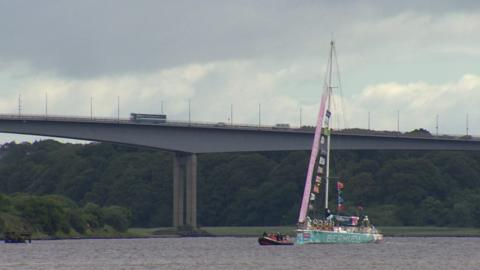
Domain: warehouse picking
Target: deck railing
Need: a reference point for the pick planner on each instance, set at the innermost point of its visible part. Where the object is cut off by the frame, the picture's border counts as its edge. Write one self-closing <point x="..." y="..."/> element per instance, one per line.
<point x="224" y="125"/>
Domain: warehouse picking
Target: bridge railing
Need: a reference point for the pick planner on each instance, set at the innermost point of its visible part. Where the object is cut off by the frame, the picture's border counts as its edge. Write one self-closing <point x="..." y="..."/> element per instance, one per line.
<point x="223" y="125"/>
<point x="410" y="134"/>
<point x="116" y="120"/>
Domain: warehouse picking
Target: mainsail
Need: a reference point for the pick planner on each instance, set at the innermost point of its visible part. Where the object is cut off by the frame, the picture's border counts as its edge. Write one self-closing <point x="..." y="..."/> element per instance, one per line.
<point x="313" y="158"/>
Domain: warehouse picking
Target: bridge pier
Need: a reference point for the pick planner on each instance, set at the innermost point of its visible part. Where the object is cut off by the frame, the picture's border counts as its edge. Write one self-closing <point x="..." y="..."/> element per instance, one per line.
<point x="184" y="189"/>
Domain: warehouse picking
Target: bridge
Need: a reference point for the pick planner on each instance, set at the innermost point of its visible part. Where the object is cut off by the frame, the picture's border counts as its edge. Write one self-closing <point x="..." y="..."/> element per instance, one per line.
<point x="187" y="139"/>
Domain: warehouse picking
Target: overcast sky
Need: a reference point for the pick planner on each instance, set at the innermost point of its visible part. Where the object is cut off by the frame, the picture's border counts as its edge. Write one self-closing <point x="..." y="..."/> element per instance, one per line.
<point x="421" y="58"/>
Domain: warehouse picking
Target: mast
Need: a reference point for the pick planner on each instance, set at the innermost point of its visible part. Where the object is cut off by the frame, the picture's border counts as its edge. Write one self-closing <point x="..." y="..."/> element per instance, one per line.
<point x="322" y="121"/>
<point x="329" y="89"/>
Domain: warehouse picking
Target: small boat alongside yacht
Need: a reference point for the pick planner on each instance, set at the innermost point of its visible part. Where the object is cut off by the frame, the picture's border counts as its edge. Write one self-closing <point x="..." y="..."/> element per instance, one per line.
<point x="275" y="239"/>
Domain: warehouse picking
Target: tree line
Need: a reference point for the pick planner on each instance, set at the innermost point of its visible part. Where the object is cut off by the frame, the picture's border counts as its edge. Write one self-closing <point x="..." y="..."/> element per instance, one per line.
<point x="55" y="214"/>
<point x="394" y="187"/>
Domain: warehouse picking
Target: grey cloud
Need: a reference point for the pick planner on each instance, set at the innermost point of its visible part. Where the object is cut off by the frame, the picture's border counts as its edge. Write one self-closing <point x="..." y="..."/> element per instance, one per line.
<point x="94" y="38"/>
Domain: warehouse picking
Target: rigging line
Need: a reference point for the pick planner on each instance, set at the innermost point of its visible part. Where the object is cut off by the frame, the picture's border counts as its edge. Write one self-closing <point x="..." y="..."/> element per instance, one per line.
<point x="328" y="72"/>
<point x="343" y="108"/>
<point x="340" y="109"/>
<point x="335" y="109"/>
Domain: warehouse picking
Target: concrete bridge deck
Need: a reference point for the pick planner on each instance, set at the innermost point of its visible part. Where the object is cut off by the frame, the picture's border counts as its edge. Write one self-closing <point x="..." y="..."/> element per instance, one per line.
<point x="197" y="137"/>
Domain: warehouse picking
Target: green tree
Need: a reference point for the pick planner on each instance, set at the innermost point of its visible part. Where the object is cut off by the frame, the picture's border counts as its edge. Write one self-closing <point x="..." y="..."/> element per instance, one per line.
<point x="93" y="216"/>
<point x="45" y="214"/>
<point x="117" y="217"/>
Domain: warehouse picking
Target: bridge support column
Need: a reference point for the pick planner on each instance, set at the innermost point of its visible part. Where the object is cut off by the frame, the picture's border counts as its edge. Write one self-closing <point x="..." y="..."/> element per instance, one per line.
<point x="178" y="189"/>
<point x="191" y="191"/>
<point x="184" y="189"/>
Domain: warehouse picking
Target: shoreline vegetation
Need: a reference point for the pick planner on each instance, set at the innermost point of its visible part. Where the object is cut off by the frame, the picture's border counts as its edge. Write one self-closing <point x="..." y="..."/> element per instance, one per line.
<point x="98" y="190"/>
<point x="128" y="187"/>
<point x="389" y="231"/>
<point x="55" y="216"/>
<point x="250" y="231"/>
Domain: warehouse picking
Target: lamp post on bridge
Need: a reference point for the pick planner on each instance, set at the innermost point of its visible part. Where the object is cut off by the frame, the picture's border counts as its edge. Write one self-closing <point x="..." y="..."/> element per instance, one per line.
<point x="398" y="121"/>
<point x="369" y="120"/>
<point x="189" y="112"/>
<point x="91" y="108"/>
<point x="259" y="114"/>
<point x="231" y="114"/>
<point x="467" y="124"/>
<point x="300" y="116"/>
<point x="118" y="109"/>
<point x="46" y="105"/>
<point x="20" y="105"/>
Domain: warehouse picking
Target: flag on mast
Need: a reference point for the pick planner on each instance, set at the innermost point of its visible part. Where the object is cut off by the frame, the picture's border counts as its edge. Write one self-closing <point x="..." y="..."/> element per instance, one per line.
<point x="340" y="187"/>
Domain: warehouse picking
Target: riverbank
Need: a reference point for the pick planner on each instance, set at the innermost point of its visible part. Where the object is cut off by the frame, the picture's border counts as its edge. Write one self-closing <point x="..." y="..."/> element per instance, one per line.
<point x="252" y="231"/>
<point x="430" y="232"/>
<point x="387" y="231"/>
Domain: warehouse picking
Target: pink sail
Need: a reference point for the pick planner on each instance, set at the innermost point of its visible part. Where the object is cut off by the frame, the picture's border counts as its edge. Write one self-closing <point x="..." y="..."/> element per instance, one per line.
<point x="313" y="158"/>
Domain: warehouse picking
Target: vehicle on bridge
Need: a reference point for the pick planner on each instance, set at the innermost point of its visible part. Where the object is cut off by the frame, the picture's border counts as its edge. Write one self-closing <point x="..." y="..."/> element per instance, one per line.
<point x="148" y="118"/>
<point x="221" y="124"/>
<point x="281" y="126"/>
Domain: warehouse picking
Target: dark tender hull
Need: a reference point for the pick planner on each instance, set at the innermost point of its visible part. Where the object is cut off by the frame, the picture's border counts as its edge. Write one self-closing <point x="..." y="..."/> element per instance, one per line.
<point x="267" y="241"/>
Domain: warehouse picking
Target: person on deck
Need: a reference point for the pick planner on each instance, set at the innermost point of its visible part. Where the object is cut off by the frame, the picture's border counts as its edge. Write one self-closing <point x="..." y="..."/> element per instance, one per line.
<point x="328" y="214"/>
<point x="365" y="222"/>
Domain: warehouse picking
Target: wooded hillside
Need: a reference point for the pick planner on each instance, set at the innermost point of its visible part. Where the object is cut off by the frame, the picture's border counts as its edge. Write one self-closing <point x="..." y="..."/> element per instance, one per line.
<point x="395" y="188"/>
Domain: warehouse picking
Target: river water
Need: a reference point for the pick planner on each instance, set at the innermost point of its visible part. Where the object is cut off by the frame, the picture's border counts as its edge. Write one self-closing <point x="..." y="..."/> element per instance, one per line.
<point x="240" y="253"/>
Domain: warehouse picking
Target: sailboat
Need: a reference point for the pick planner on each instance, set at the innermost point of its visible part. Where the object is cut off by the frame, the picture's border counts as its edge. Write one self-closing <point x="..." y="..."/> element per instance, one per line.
<point x="317" y="226"/>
